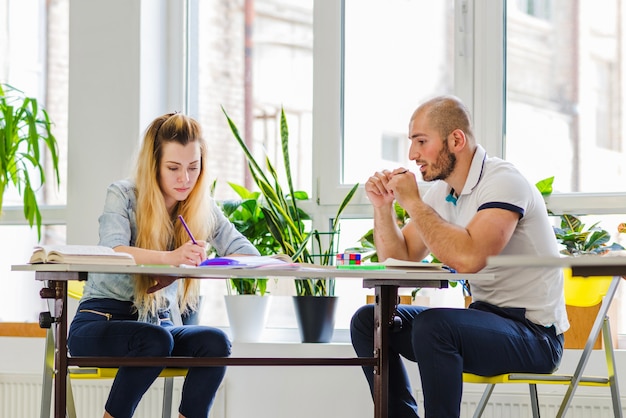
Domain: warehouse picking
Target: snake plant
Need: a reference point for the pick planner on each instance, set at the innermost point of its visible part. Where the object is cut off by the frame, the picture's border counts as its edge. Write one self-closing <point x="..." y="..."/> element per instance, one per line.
<point x="286" y="220"/>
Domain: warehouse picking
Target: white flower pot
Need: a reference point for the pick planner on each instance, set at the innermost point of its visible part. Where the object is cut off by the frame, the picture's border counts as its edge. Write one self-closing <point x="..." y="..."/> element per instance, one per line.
<point x="247" y="316"/>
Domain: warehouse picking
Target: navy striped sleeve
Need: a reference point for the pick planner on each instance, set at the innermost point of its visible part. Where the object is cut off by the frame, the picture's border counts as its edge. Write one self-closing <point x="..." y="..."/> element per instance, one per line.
<point x="503" y="205"/>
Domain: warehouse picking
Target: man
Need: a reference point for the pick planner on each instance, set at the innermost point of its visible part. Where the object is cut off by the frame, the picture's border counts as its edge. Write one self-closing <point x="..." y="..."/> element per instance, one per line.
<point x="476" y="207"/>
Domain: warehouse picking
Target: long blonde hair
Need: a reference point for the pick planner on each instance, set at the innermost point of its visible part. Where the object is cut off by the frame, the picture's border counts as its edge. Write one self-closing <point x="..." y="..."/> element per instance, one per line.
<point x="156" y="229"/>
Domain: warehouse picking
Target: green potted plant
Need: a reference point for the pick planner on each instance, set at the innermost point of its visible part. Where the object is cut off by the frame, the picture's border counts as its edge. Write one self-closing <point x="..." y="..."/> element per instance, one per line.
<point x="286" y="223"/>
<point x="25" y="135"/>
<point x="247" y="216"/>
<point x="247" y="303"/>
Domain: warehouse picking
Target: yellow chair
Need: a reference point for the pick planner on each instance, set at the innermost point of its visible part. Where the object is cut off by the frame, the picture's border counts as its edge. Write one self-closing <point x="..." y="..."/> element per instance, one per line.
<point x="75" y="291"/>
<point x="582" y="292"/>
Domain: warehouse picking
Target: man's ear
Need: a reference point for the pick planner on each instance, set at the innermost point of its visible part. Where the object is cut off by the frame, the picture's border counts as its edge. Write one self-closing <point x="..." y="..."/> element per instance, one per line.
<point x="458" y="139"/>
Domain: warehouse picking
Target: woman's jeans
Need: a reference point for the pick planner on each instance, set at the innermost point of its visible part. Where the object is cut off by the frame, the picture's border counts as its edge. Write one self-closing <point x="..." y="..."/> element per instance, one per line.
<point x="445" y="342"/>
<point x="92" y="333"/>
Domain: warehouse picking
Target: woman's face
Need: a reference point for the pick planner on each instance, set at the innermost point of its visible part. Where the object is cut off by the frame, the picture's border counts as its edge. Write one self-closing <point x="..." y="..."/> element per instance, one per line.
<point x="179" y="171"/>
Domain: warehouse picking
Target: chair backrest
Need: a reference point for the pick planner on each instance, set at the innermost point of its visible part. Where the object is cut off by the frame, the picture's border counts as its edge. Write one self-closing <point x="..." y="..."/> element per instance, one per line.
<point x="583" y="292"/>
<point x="75" y="288"/>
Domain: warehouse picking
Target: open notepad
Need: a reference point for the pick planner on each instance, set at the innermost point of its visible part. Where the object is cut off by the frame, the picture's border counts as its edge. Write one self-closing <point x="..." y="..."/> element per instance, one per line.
<point x="278" y="261"/>
<point x="80" y="254"/>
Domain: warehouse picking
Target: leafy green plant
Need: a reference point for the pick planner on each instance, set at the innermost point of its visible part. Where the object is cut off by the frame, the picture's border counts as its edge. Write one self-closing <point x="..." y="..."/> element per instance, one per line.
<point x="25" y="134"/>
<point x="580" y="240"/>
<point x="248" y="218"/>
<point x="286" y="220"/>
<point x="573" y="234"/>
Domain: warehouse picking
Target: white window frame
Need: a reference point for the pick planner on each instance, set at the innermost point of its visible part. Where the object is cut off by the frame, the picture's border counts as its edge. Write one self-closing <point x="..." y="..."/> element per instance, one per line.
<point x="480" y="48"/>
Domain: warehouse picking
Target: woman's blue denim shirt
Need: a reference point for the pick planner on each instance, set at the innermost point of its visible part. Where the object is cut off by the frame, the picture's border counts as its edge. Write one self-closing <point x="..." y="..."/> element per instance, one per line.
<point x="118" y="226"/>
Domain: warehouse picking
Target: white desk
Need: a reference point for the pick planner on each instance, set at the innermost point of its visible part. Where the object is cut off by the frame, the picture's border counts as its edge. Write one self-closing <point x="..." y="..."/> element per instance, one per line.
<point x="585" y="266"/>
<point x="385" y="283"/>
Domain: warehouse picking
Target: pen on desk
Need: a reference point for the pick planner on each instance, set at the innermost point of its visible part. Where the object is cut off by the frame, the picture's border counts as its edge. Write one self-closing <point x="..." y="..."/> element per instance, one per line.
<point x="187" y="229"/>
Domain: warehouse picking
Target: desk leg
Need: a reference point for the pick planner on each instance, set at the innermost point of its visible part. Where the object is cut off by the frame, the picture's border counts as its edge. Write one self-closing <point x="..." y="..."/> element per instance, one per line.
<point x="386" y="299"/>
<point x="60" y="350"/>
<point x="584" y="358"/>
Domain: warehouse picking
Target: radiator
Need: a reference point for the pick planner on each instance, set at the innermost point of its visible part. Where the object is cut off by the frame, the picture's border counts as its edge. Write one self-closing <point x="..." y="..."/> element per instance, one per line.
<point x="20" y="396"/>
<point x="505" y="403"/>
<point x="518" y="406"/>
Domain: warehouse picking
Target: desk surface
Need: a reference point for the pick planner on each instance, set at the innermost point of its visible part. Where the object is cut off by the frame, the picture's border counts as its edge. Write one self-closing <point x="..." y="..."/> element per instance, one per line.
<point x="613" y="264"/>
<point x="230" y="272"/>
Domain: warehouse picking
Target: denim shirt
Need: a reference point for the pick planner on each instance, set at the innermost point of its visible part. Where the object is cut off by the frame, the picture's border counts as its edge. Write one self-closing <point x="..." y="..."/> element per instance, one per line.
<point x="118" y="226"/>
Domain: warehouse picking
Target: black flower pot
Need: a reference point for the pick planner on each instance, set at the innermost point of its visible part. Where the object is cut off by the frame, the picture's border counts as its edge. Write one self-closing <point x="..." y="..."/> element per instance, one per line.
<point x="316" y="317"/>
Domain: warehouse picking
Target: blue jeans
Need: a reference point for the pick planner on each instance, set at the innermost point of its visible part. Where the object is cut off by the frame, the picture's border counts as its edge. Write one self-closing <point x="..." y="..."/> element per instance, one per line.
<point x="93" y="334"/>
<point x="445" y="342"/>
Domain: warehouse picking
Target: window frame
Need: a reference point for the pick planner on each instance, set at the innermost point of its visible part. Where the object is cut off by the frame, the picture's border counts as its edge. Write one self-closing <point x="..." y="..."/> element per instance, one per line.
<point x="480" y="81"/>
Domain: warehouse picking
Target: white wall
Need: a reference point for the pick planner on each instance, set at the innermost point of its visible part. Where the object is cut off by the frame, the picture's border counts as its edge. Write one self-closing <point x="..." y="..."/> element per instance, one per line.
<point x="117" y="74"/>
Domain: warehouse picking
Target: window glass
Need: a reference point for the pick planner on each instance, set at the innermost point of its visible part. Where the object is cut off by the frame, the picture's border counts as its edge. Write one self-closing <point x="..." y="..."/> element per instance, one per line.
<point x="565" y="94"/>
<point x="34" y="58"/>
<point x="397" y="53"/>
<point x="254" y="61"/>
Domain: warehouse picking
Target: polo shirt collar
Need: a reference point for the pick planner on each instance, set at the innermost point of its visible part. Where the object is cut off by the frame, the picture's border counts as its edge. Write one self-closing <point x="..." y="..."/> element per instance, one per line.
<point x="474" y="175"/>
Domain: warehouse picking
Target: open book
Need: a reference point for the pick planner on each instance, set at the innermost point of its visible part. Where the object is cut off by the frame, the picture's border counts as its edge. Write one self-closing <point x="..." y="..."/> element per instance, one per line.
<point x="79" y="254"/>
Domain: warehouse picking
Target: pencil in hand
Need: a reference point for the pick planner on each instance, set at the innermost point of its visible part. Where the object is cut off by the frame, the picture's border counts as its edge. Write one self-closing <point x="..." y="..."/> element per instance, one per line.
<point x="182" y="220"/>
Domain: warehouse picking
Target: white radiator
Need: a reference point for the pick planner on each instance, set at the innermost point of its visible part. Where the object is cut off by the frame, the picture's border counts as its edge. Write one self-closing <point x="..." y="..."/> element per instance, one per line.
<point x="511" y="403"/>
<point x="20" y="396"/>
<point x="518" y="406"/>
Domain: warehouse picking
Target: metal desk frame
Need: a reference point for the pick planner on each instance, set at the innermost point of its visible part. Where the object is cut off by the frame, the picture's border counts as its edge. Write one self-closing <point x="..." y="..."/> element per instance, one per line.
<point x="385" y="282"/>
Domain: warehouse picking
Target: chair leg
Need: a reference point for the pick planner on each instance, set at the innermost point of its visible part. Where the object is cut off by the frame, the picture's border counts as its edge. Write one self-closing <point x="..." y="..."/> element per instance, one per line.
<point x="598" y="324"/>
<point x="610" y="365"/>
<point x="534" y="400"/>
<point x="482" y="404"/>
<point x="168" y="389"/>
<point x="69" y="404"/>
<point x="48" y="376"/>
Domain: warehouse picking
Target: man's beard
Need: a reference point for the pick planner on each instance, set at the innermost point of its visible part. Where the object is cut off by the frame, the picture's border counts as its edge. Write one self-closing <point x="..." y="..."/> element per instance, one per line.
<point x="443" y="167"/>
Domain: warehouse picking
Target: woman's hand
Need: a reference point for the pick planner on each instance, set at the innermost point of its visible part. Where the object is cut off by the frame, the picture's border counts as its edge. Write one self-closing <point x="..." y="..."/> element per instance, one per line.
<point x="188" y="253"/>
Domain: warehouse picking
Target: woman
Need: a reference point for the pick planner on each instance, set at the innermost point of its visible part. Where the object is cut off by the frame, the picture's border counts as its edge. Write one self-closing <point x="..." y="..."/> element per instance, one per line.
<point x="124" y="315"/>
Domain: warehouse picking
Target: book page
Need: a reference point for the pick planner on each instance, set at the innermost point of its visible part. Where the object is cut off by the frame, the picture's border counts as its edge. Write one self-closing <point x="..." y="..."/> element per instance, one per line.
<point x="79" y="254"/>
<point x="77" y="250"/>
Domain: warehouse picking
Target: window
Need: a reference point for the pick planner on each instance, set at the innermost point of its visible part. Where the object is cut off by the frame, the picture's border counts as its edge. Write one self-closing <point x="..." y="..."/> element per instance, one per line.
<point x="34" y="59"/>
<point x="259" y="62"/>
<point x="540" y="9"/>
<point x="392" y="147"/>
<point x="563" y="96"/>
<point x="389" y="68"/>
